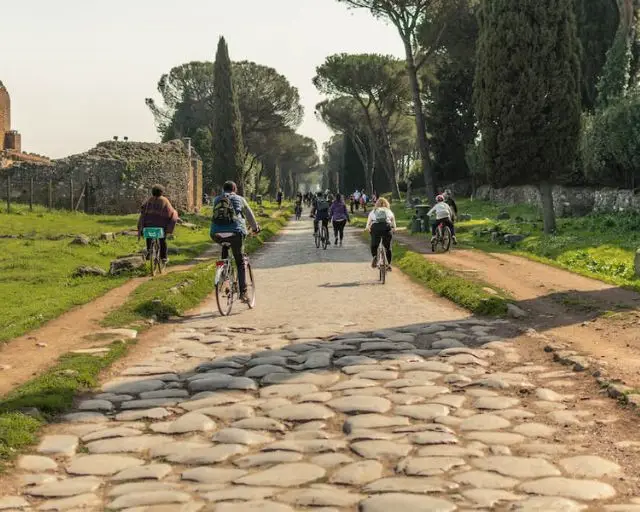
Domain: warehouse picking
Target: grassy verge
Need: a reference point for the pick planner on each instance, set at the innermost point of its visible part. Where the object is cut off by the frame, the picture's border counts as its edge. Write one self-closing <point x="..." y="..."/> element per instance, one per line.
<point x="173" y="294"/>
<point x="474" y="295"/>
<point x="38" y="261"/>
<point x="50" y="393"/>
<point x="600" y="246"/>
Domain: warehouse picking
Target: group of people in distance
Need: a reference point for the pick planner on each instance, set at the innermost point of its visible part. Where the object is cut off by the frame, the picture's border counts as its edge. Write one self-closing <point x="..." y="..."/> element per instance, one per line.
<point x="231" y="213"/>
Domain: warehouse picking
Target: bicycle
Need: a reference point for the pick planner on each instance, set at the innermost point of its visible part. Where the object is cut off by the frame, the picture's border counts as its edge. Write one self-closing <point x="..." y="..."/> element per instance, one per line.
<point x="443" y="238"/>
<point x="383" y="263"/>
<point x="226" y="281"/>
<point x="154" y="234"/>
<point x="321" y="237"/>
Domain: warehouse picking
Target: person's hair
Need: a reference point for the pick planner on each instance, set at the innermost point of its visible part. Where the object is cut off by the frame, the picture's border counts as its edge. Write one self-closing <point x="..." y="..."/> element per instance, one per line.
<point x="229" y="186"/>
<point x="448" y="192"/>
<point x="338" y="198"/>
<point x="320" y="194"/>
<point x="157" y="190"/>
<point x="382" y="203"/>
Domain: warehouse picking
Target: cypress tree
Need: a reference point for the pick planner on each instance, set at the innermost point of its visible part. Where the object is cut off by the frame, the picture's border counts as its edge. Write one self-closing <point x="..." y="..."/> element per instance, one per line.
<point x="527" y="93"/>
<point x="228" y="146"/>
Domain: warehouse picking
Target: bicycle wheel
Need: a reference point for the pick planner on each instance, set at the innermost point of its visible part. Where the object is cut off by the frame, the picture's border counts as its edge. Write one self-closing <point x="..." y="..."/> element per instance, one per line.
<point x="325" y="237"/>
<point x="317" y="238"/>
<point x="153" y="256"/>
<point x="251" y="287"/>
<point x="446" y="239"/>
<point x="438" y="241"/>
<point x="382" y="263"/>
<point x="224" y="292"/>
<point x="157" y="260"/>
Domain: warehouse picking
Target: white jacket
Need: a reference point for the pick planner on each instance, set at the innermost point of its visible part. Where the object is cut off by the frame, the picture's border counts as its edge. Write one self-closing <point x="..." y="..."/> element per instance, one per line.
<point x="378" y="213"/>
<point x="441" y="210"/>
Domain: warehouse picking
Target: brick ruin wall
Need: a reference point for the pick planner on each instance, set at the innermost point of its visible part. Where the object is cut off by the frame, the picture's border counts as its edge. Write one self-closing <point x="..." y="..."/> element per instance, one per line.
<point x="113" y="178"/>
<point x="5" y="115"/>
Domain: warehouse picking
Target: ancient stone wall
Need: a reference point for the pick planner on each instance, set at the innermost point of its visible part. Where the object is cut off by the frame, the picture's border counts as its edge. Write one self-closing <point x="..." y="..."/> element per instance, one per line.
<point x="5" y="114"/>
<point x="568" y="201"/>
<point x="114" y="177"/>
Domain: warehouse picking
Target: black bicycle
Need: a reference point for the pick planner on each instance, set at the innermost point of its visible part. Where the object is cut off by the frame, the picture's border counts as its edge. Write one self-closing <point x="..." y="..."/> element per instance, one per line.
<point x="298" y="211"/>
<point x="226" y="281"/>
<point x="321" y="236"/>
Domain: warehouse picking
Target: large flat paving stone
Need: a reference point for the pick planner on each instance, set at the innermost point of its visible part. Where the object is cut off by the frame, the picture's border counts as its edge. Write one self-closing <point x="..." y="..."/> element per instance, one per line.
<point x="405" y="503"/>
<point x="284" y="475"/>
<point x="517" y="467"/>
<point x="102" y="465"/>
<point x="585" y="490"/>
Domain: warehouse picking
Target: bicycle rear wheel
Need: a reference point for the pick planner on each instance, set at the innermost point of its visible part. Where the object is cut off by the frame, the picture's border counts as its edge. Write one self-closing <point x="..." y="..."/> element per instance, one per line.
<point x="251" y="288"/>
<point x="157" y="261"/>
<point x="382" y="263"/>
<point x="446" y="239"/>
<point x="155" y="249"/>
<point x="224" y="293"/>
<point x="317" y="239"/>
<point x="325" y="237"/>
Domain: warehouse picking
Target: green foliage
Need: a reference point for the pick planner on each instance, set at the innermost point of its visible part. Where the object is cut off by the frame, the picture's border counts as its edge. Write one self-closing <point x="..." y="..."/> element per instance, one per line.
<point x="36" y="270"/>
<point x="228" y="145"/>
<point x="597" y="26"/>
<point x="527" y="89"/>
<point x="51" y="393"/>
<point x="469" y="293"/>
<point x="610" y="145"/>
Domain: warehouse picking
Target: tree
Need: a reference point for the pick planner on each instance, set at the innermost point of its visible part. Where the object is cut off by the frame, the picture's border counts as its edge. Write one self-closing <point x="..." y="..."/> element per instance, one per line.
<point x="407" y="16"/>
<point x="379" y="86"/>
<point x="268" y="103"/>
<point x="597" y="24"/>
<point x="527" y="93"/>
<point x="228" y="146"/>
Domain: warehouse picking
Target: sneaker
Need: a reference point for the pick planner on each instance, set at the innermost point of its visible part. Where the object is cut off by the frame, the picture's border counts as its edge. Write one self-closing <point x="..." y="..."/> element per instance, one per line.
<point x="374" y="262"/>
<point x="433" y="239"/>
<point x="455" y="240"/>
<point x="243" y="297"/>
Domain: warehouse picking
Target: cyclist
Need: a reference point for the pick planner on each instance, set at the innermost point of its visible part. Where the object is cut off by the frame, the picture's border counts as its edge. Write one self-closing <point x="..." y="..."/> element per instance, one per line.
<point x="231" y="212"/>
<point x="298" y="205"/>
<point x="279" y="197"/>
<point x="320" y="212"/>
<point x="381" y="223"/>
<point x="444" y="215"/>
<point x="157" y="212"/>
<point x="339" y="216"/>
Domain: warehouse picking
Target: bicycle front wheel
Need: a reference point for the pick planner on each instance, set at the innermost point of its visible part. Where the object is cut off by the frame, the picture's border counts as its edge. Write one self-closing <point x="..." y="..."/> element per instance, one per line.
<point x="382" y="263"/>
<point x="224" y="294"/>
<point x="251" y="288"/>
<point x="325" y="237"/>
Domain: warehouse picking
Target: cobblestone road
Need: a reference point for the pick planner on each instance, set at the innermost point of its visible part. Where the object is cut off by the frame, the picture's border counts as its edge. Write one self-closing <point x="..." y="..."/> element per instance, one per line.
<point x="335" y="394"/>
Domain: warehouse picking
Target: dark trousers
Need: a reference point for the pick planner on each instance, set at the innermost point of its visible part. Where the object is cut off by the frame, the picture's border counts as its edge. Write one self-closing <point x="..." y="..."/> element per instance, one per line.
<point x="237" y="243"/>
<point x="381" y="233"/>
<point x="163" y="247"/>
<point x="446" y="222"/>
<point x="338" y="228"/>
<point x="353" y="206"/>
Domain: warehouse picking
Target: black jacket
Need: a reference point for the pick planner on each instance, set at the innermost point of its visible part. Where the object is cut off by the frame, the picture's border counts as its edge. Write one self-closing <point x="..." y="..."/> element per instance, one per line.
<point x="452" y="204"/>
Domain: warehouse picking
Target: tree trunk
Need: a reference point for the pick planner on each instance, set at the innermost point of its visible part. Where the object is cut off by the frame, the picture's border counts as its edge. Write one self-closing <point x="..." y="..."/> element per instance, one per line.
<point x="423" y="145"/>
<point x="548" y="213"/>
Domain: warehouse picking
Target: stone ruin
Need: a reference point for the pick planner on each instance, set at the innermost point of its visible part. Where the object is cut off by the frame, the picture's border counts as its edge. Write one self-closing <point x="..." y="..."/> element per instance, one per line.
<point x="112" y="178"/>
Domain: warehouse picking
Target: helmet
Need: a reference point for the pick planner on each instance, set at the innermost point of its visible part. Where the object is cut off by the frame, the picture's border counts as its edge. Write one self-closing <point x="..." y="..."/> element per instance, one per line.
<point x="440" y="198"/>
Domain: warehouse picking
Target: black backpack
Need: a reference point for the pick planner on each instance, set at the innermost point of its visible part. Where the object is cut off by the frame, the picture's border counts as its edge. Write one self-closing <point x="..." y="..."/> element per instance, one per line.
<point x="224" y="212"/>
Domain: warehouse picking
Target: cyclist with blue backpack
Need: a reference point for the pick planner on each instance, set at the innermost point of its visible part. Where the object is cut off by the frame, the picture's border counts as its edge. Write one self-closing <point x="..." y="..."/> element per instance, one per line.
<point x="320" y="213"/>
<point x="231" y="212"/>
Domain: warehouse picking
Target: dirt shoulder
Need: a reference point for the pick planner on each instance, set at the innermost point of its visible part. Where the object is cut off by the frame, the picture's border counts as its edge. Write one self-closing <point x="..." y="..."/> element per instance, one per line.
<point x="565" y="306"/>
<point x="34" y="352"/>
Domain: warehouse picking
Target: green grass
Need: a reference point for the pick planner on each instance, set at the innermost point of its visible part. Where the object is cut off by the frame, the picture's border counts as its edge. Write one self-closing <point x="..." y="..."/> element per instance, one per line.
<point x="173" y="294"/>
<point x="469" y="293"/>
<point x="598" y="246"/>
<point x="50" y="393"/>
<point x="36" y="270"/>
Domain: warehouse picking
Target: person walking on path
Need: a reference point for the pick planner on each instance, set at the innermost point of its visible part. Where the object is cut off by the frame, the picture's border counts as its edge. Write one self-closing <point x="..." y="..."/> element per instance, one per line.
<point x="279" y="199"/>
<point x="231" y="213"/>
<point x="157" y="212"/>
<point x="339" y="217"/>
<point x="356" y="198"/>
<point x="381" y="223"/>
<point x="448" y="197"/>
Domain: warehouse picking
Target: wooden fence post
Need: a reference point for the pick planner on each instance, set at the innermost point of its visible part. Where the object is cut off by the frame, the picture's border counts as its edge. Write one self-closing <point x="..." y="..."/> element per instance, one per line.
<point x="50" y="194"/>
<point x="31" y="194"/>
<point x="86" y="197"/>
<point x="71" y="204"/>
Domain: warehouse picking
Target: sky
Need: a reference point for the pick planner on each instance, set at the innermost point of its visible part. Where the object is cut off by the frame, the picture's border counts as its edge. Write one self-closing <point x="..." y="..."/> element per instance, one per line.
<point x="78" y="71"/>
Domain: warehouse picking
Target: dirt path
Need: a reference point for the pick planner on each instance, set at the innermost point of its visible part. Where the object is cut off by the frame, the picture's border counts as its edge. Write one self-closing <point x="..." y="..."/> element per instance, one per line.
<point x="70" y="331"/>
<point x="561" y="304"/>
<point x="335" y="394"/>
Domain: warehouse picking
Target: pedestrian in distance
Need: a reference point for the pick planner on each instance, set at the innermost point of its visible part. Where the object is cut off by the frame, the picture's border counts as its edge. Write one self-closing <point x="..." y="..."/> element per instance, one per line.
<point x="339" y="218"/>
